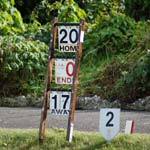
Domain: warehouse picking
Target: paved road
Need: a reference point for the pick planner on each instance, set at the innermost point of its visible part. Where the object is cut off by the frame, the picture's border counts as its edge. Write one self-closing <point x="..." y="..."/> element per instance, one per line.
<point x="84" y="120"/>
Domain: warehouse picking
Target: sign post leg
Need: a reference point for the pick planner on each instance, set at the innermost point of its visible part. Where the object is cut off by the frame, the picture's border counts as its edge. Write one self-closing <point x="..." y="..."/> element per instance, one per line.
<point x="48" y="79"/>
<point x="75" y="83"/>
<point x="43" y="118"/>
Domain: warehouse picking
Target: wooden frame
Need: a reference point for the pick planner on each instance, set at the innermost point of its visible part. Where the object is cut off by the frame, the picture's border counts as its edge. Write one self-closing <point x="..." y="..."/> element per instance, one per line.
<point x="55" y="23"/>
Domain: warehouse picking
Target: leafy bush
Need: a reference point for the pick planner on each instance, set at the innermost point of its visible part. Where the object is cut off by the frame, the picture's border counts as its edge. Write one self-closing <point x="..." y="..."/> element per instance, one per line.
<point x="66" y="11"/>
<point x="126" y="77"/>
<point x="70" y="11"/>
<point x="26" y="7"/>
<point x="36" y="31"/>
<point x="114" y="53"/>
<point x="105" y="79"/>
<point x="138" y="9"/>
<point x="135" y="82"/>
<point x="23" y="65"/>
<point x="111" y="35"/>
<point x="122" y="79"/>
<point x="10" y="18"/>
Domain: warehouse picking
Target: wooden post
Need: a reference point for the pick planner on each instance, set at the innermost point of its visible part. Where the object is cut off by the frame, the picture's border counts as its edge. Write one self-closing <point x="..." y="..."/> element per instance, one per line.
<point x="48" y="79"/>
<point x="75" y="82"/>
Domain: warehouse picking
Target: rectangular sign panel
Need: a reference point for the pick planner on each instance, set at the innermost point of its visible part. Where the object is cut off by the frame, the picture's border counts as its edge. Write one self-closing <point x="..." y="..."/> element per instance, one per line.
<point x="60" y="102"/>
<point x="67" y="38"/>
<point x="64" y="70"/>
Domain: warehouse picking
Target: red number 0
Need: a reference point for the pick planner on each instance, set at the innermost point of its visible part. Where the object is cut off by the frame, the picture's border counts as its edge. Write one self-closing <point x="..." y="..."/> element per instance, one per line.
<point x="67" y="69"/>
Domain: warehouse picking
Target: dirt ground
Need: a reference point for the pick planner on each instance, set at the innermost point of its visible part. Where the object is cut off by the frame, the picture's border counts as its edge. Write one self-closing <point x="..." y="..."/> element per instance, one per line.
<point x="84" y="120"/>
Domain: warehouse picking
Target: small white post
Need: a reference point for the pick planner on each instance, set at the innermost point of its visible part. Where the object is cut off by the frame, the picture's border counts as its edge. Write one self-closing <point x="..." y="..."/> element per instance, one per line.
<point x="129" y="128"/>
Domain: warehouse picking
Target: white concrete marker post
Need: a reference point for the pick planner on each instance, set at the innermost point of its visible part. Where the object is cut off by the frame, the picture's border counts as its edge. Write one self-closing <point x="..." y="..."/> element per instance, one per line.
<point x="109" y="123"/>
<point x="129" y="128"/>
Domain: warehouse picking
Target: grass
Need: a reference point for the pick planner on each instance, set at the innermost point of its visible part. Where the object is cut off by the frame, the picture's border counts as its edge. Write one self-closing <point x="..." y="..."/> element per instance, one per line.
<point x="21" y="139"/>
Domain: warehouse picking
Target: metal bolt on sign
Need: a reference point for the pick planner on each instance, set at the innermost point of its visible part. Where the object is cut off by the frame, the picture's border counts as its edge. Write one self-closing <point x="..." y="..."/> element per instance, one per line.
<point x="62" y="101"/>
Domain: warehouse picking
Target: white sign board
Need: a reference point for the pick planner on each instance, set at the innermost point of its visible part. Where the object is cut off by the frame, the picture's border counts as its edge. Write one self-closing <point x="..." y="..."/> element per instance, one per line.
<point x="64" y="71"/>
<point x="60" y="102"/>
<point x="109" y="124"/>
<point x="67" y="38"/>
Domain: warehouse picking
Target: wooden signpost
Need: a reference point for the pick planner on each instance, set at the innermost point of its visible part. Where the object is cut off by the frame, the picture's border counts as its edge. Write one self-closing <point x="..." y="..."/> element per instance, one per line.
<point x="62" y="101"/>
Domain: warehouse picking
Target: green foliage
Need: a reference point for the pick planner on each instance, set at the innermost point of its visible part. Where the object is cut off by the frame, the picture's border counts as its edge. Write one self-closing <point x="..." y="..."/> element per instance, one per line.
<point x="5" y="5"/>
<point x="122" y="76"/>
<point x="23" y="65"/>
<point x="111" y="35"/>
<point x="36" y="31"/>
<point x="135" y="83"/>
<point x="70" y="12"/>
<point x="113" y="49"/>
<point x="66" y="11"/>
<point x="26" y="7"/>
<point x="42" y="12"/>
<point x="138" y="9"/>
<point x="10" y="18"/>
<point x="96" y="8"/>
<point x="23" y="55"/>
<point x="126" y="77"/>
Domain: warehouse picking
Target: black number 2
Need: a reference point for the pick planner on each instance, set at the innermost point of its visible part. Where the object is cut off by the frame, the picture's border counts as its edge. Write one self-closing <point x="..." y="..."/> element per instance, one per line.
<point x="109" y="124"/>
<point x="64" y="36"/>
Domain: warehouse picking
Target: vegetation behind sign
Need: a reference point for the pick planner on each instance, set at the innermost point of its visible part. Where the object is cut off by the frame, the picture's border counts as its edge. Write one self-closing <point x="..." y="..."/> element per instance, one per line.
<point x="115" y="62"/>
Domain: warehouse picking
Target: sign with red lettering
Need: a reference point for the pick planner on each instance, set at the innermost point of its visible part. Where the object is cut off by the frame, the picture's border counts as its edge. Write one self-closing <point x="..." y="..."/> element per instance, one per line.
<point x="60" y="102"/>
<point x="68" y="38"/>
<point x="64" y="71"/>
